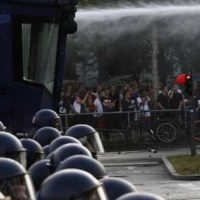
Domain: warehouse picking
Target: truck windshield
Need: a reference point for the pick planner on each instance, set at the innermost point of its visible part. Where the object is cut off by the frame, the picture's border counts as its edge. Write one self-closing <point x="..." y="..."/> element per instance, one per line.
<point x="39" y="44"/>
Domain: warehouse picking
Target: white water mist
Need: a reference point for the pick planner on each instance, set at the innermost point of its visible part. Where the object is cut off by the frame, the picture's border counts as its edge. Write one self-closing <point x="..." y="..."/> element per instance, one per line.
<point x="111" y="22"/>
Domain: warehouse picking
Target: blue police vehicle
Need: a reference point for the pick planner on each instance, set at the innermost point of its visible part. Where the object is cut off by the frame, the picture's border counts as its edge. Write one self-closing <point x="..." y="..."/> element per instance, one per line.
<point x="33" y="37"/>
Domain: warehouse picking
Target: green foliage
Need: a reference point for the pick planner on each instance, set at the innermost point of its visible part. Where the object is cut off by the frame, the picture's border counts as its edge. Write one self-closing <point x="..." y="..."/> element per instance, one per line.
<point x="186" y="164"/>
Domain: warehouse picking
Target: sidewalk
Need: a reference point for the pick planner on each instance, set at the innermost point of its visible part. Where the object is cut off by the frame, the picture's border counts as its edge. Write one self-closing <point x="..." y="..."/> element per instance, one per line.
<point x="147" y="158"/>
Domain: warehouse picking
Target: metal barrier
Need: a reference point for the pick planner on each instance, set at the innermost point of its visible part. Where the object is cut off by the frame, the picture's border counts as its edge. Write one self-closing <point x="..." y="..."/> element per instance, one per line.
<point x="114" y="121"/>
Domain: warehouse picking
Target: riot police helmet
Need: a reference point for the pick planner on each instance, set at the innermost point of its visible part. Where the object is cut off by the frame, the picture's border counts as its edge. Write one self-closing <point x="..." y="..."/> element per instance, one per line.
<point x="70" y="184"/>
<point x="87" y="135"/>
<point x="47" y="117"/>
<point x="84" y="163"/>
<point x="80" y="130"/>
<point x="11" y="147"/>
<point x="140" y="196"/>
<point x="38" y="172"/>
<point x="34" y="151"/>
<point x="61" y="141"/>
<point x="66" y="151"/>
<point x="116" y="187"/>
<point x="46" y="135"/>
<point x="14" y="180"/>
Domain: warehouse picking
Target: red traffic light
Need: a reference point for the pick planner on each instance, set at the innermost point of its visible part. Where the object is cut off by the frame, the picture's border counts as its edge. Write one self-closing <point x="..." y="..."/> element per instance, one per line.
<point x="182" y="78"/>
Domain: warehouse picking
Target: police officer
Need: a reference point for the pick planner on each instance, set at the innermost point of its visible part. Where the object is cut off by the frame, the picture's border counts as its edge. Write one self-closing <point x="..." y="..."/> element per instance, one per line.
<point x="11" y="147"/>
<point x="66" y="151"/>
<point x="46" y="117"/>
<point x="140" y="196"/>
<point x="71" y="184"/>
<point x="61" y="141"/>
<point x="84" y="163"/>
<point x="14" y="180"/>
<point x="34" y="151"/>
<point x="116" y="187"/>
<point x="38" y="172"/>
<point x="46" y="135"/>
<point x="88" y="136"/>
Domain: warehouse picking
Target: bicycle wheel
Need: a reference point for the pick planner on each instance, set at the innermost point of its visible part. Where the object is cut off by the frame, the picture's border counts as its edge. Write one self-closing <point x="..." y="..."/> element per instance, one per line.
<point x="134" y="132"/>
<point x="166" y="132"/>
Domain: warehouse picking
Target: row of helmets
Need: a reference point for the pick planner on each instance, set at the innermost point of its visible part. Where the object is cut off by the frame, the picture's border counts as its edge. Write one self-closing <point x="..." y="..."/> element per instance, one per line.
<point x="59" y="166"/>
<point x="49" y="118"/>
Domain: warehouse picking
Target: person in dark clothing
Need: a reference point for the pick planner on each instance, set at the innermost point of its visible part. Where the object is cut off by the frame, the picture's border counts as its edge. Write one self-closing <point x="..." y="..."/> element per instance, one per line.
<point x="163" y="99"/>
<point x="128" y="104"/>
<point x="176" y="102"/>
<point x="68" y="99"/>
<point x="176" y="98"/>
<point x="108" y="106"/>
<point x="114" y="97"/>
<point x="116" y="118"/>
<point x="163" y="102"/>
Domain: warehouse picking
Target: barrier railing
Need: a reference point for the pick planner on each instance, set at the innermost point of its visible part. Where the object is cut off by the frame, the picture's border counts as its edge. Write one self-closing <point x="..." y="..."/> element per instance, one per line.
<point x="121" y="120"/>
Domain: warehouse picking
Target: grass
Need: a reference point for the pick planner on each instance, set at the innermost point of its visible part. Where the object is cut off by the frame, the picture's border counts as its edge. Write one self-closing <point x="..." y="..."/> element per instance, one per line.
<point x="186" y="164"/>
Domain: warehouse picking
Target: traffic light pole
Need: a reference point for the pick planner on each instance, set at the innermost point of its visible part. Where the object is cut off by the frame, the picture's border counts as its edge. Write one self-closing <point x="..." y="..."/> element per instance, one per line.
<point x="187" y="81"/>
<point x="190" y="129"/>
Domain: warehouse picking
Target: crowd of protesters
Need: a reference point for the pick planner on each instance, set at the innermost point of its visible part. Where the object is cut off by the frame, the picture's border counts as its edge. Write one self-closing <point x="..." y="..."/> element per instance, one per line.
<point x="112" y="103"/>
<point x="129" y="97"/>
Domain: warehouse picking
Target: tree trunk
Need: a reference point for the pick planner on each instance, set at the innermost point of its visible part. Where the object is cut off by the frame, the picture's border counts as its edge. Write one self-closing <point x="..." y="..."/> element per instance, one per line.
<point x="155" y="62"/>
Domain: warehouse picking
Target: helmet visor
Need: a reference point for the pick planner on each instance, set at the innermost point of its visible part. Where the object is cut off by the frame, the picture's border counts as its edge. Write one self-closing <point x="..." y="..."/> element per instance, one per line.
<point x="99" y="144"/>
<point x="95" y="194"/>
<point x="2" y="127"/>
<point x="18" y="188"/>
<point x="57" y="123"/>
<point x="92" y="142"/>
<point x="19" y="156"/>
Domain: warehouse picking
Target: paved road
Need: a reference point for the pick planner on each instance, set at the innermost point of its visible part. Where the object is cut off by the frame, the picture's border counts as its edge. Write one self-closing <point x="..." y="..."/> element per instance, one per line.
<point x="146" y="171"/>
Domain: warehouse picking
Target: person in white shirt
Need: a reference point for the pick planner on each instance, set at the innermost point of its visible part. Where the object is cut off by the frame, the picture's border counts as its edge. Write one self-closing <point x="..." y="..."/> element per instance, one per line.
<point x="98" y="105"/>
<point x="79" y="104"/>
<point x="98" y="116"/>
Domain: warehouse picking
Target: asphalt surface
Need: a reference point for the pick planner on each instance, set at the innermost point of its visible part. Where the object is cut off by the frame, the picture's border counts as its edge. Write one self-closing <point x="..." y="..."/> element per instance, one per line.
<point x="147" y="171"/>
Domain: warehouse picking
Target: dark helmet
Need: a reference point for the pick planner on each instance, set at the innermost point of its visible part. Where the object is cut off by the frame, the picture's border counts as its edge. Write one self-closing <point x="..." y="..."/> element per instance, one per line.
<point x="11" y="147"/>
<point x="88" y="136"/>
<point x="84" y="163"/>
<point x="34" y="151"/>
<point x="46" y="150"/>
<point x="2" y="127"/>
<point x="47" y="117"/>
<point x="140" y="196"/>
<point x="46" y="135"/>
<point x="62" y="140"/>
<point x="115" y="187"/>
<point x="80" y="130"/>
<point x="71" y="184"/>
<point x="38" y="172"/>
<point x="14" y="180"/>
<point x="66" y="151"/>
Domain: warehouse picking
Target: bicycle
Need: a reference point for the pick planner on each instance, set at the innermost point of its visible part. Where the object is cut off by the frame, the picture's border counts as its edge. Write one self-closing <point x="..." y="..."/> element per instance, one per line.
<point x="162" y="130"/>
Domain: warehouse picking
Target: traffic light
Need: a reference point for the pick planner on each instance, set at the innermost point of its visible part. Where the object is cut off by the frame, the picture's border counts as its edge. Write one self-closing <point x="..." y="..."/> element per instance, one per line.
<point x="189" y="85"/>
<point x="186" y="81"/>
